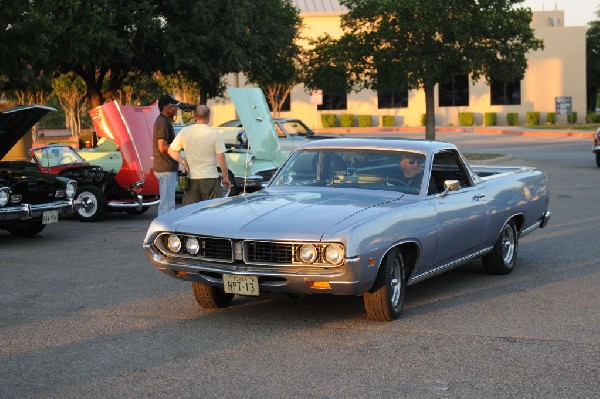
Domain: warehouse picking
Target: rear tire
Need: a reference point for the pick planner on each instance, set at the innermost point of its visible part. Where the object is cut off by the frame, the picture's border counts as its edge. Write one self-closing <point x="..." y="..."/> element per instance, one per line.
<point x="93" y="203"/>
<point x="210" y="297"/>
<point x="385" y="300"/>
<point x="503" y="257"/>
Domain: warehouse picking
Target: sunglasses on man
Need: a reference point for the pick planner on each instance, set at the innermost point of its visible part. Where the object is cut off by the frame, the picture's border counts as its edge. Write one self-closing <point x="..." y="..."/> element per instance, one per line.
<point x="413" y="161"/>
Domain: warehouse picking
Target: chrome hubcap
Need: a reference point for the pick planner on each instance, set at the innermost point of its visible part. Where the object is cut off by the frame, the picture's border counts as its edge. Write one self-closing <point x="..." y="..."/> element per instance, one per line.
<point x="88" y="204"/>
<point x="395" y="284"/>
<point x="508" y="244"/>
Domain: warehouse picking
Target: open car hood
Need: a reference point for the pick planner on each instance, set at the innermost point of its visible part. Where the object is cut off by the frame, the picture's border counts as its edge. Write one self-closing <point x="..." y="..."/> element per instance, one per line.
<point x="251" y="106"/>
<point x="130" y="127"/>
<point x="16" y="122"/>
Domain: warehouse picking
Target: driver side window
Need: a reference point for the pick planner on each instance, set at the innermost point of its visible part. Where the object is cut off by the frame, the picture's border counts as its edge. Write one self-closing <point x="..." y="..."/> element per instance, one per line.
<point x="447" y="165"/>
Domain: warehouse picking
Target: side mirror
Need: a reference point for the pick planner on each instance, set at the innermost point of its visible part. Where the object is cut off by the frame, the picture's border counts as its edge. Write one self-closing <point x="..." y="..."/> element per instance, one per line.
<point x="449" y="185"/>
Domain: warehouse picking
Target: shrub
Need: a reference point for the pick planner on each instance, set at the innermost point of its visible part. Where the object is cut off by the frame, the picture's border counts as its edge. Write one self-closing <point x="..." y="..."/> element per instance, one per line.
<point x="346" y="120"/>
<point x="551" y="118"/>
<point x="466" y="118"/>
<point x="533" y="118"/>
<point x="591" y="117"/>
<point x="572" y="118"/>
<point x="423" y="122"/>
<point x="328" y="120"/>
<point x="364" y="120"/>
<point x="489" y="119"/>
<point x="388" y="120"/>
<point x="512" y="118"/>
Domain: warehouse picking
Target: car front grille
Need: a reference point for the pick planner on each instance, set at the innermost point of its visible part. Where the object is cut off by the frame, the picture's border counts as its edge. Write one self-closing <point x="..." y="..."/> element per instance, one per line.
<point x="269" y="252"/>
<point x="266" y="174"/>
<point x="241" y="252"/>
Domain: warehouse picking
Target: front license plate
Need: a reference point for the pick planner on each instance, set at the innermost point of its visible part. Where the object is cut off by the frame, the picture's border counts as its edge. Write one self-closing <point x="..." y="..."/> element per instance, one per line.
<point x="241" y="285"/>
<point x="49" y="217"/>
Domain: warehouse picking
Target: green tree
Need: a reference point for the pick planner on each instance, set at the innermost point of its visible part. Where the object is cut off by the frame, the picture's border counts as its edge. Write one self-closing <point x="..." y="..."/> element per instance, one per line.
<point x="69" y="89"/>
<point x="417" y="44"/>
<point x="274" y="65"/>
<point x="593" y="63"/>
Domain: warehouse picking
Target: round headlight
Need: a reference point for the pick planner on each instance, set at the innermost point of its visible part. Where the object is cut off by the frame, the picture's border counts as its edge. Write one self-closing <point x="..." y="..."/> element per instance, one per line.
<point x="308" y="253"/>
<point x="71" y="189"/>
<point x="334" y="254"/>
<point x="250" y="162"/>
<point x="192" y="245"/>
<point x="4" y="196"/>
<point x="174" y="243"/>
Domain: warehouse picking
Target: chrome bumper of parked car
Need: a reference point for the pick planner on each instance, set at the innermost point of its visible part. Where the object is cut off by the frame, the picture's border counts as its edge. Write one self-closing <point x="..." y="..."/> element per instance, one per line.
<point x="138" y="203"/>
<point x="28" y="211"/>
<point x="249" y="181"/>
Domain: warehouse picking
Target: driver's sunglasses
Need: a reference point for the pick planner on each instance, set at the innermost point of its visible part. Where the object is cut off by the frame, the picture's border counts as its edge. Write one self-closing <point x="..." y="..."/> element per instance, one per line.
<point x="413" y="161"/>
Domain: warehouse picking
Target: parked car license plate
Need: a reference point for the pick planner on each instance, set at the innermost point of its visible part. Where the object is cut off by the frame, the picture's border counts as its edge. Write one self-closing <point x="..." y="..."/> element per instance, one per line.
<point x="49" y="217"/>
<point x="241" y="285"/>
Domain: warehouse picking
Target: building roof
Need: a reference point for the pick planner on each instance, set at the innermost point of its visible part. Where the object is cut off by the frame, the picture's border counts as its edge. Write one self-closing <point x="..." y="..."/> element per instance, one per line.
<point x="319" y="6"/>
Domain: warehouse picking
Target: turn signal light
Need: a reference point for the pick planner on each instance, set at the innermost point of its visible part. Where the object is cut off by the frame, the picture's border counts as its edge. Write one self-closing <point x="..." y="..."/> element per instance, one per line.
<point x="322" y="285"/>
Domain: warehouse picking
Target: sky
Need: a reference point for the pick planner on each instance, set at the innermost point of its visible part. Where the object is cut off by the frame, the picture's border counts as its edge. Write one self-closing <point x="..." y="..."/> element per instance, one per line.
<point x="577" y="12"/>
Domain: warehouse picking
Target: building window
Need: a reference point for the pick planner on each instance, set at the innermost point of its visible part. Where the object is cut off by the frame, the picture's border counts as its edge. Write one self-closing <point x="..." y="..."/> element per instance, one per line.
<point x="333" y="99"/>
<point x="503" y="93"/>
<point x="455" y="92"/>
<point x="392" y="99"/>
<point x="286" y="106"/>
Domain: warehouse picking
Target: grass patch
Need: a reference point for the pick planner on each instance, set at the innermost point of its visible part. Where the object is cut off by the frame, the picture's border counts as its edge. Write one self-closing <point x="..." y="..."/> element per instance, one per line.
<point x="473" y="156"/>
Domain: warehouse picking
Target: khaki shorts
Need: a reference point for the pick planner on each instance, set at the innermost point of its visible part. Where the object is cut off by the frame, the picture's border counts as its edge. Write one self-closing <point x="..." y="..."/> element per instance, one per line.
<point x="201" y="190"/>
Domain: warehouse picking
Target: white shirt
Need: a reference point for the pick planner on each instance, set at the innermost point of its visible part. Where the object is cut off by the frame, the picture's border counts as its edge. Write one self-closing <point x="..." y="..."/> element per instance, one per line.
<point x="201" y="144"/>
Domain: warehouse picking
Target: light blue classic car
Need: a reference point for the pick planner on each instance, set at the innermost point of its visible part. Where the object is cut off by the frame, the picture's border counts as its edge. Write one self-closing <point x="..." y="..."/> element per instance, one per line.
<point x="338" y="218"/>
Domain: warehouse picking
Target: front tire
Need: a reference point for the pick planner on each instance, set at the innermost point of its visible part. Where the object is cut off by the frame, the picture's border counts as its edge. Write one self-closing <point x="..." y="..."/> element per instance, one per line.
<point x="210" y="297"/>
<point x="503" y="257"/>
<point x="93" y="203"/>
<point x="598" y="159"/>
<point x="384" y="301"/>
<point x="27" y="229"/>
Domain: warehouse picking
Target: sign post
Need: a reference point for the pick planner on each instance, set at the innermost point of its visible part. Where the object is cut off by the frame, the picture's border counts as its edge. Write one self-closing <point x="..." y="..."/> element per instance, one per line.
<point x="316" y="98"/>
<point x="564" y="105"/>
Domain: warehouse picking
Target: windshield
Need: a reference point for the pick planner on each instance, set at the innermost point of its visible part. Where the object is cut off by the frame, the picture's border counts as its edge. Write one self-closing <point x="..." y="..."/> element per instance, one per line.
<point x="52" y="156"/>
<point x="294" y="128"/>
<point x="368" y="169"/>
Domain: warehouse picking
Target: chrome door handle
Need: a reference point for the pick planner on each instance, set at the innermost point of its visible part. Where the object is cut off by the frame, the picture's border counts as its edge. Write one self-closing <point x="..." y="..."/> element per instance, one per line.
<point x="478" y="197"/>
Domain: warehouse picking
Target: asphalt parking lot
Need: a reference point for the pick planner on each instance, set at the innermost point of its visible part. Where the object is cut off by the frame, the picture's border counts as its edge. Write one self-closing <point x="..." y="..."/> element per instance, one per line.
<point x="84" y="314"/>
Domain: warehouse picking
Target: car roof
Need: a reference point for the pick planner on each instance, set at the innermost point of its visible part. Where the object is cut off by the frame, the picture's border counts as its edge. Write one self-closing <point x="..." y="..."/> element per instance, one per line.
<point x="423" y="146"/>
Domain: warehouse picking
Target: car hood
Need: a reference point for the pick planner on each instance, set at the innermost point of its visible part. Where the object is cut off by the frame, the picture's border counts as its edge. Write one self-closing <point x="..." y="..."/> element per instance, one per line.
<point x="16" y="122"/>
<point x="130" y="127"/>
<point x="286" y="214"/>
<point x="252" y="107"/>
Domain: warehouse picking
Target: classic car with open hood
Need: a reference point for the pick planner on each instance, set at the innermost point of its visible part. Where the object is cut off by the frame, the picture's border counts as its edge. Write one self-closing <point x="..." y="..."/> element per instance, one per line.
<point x="339" y="217"/>
<point x="29" y="199"/>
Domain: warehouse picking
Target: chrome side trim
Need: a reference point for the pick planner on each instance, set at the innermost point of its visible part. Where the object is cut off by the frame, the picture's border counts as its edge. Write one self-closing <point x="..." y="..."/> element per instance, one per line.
<point x="450" y="265"/>
<point x="540" y="224"/>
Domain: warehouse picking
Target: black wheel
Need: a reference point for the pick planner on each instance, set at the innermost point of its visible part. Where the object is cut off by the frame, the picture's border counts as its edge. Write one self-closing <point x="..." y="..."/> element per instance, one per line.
<point x="27" y="229"/>
<point x="384" y="301"/>
<point x="598" y="159"/>
<point x="503" y="257"/>
<point x="93" y="203"/>
<point x="136" y="211"/>
<point x="210" y="297"/>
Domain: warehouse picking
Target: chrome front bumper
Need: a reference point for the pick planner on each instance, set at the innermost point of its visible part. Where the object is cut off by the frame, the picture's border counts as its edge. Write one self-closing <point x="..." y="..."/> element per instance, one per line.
<point x="138" y="203"/>
<point x="28" y="211"/>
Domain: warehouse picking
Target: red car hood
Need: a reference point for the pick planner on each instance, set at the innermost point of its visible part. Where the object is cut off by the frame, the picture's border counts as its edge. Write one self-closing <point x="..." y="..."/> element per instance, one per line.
<point x="130" y="127"/>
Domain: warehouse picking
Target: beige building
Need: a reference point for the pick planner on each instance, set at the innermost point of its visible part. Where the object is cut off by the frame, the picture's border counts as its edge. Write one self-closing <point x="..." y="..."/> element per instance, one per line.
<point x="557" y="71"/>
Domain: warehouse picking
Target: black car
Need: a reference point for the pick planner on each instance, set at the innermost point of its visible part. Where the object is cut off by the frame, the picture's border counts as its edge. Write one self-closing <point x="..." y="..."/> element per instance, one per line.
<point x="29" y="200"/>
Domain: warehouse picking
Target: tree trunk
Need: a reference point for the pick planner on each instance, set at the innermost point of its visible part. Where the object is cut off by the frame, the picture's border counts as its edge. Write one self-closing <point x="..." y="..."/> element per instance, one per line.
<point x="429" y="111"/>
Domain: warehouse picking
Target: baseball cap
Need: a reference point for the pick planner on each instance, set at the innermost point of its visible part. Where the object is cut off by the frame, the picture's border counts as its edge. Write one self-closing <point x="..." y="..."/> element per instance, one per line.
<point x="167" y="99"/>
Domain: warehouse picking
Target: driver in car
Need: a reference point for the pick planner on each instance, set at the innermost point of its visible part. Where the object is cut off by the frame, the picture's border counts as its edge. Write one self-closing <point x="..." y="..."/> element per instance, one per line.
<point x="411" y="169"/>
